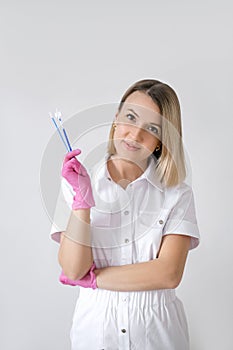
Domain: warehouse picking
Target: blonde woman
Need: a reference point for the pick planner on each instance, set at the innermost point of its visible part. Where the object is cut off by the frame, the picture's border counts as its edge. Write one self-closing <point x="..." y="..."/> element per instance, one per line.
<point x="132" y="224"/>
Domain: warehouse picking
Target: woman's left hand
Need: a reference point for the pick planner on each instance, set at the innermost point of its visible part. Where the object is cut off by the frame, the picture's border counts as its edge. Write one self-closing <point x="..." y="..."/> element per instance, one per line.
<point x="88" y="281"/>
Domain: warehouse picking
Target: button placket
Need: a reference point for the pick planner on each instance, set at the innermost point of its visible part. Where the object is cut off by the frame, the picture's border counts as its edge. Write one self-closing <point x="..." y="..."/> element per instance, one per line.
<point x="126" y="250"/>
<point x="126" y="222"/>
<point x="123" y="322"/>
<point x="126" y="213"/>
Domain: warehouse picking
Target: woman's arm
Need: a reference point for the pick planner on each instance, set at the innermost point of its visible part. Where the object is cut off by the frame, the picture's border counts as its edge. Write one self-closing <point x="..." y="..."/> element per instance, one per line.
<point x="75" y="254"/>
<point x="165" y="272"/>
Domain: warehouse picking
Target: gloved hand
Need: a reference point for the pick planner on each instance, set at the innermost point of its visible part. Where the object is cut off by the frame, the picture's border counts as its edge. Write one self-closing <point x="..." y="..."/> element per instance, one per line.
<point x="75" y="173"/>
<point x="88" y="281"/>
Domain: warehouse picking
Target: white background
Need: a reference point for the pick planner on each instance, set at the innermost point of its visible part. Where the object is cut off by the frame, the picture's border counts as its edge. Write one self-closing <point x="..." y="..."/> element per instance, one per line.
<point x="73" y="55"/>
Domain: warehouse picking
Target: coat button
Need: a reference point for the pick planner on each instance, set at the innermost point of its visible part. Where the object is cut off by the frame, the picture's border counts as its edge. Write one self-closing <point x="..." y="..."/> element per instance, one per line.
<point x="123" y="330"/>
<point x="126" y="212"/>
<point x="126" y="240"/>
<point x="160" y="222"/>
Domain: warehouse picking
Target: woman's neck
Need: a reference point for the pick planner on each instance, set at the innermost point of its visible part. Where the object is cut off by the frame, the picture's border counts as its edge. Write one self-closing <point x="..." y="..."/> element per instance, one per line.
<point x="124" y="171"/>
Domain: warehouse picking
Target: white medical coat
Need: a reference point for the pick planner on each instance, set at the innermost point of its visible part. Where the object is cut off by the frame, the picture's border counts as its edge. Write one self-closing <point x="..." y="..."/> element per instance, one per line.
<point x="127" y="226"/>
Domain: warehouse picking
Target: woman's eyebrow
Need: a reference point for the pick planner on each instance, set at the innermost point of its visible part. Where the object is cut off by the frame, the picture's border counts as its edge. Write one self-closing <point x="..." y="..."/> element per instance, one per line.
<point x="131" y="110"/>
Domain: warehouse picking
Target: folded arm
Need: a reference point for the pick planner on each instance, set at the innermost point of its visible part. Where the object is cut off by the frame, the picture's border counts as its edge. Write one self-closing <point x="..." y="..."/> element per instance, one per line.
<point x="165" y="272"/>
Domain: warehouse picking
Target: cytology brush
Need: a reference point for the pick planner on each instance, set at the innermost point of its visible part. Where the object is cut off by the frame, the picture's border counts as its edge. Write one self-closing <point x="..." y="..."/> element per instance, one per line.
<point x="58" y="116"/>
<point x="64" y="140"/>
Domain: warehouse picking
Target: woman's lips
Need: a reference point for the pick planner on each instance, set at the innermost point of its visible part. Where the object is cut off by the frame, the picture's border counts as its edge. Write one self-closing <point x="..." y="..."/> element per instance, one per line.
<point x="130" y="146"/>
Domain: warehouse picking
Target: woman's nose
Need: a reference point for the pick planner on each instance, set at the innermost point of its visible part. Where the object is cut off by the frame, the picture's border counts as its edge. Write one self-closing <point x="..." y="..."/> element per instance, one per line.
<point x="136" y="133"/>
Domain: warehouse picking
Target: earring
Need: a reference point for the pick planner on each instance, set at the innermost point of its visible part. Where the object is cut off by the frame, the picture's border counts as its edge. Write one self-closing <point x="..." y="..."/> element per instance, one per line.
<point x="114" y="125"/>
<point x="157" y="148"/>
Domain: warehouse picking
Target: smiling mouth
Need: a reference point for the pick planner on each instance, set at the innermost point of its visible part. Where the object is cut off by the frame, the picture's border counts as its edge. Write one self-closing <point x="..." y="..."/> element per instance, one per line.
<point x="130" y="146"/>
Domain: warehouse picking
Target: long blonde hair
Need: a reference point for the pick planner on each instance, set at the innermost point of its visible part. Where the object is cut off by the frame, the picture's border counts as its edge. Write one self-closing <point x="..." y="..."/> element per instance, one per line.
<point x="170" y="164"/>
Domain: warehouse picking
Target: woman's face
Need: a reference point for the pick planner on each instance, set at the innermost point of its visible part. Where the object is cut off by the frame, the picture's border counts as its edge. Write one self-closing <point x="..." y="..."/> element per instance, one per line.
<point x="138" y="127"/>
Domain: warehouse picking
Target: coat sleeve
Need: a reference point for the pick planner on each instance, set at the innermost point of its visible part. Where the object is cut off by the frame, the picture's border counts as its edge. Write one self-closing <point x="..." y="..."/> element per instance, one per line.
<point x="182" y="218"/>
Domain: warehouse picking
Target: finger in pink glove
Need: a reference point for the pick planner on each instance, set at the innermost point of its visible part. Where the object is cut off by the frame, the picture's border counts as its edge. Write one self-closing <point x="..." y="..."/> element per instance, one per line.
<point x="88" y="281"/>
<point x="75" y="173"/>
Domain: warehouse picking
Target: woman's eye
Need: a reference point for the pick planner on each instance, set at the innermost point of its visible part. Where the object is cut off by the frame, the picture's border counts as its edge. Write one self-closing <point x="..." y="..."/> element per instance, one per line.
<point x="153" y="129"/>
<point x="130" y="117"/>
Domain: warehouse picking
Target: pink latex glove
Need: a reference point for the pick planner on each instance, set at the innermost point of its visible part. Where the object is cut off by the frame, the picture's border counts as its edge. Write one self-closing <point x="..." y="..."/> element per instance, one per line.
<point x="88" y="281"/>
<point x="75" y="173"/>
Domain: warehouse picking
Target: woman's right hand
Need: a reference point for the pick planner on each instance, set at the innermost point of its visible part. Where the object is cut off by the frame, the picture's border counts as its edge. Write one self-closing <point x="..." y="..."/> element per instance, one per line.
<point x="75" y="173"/>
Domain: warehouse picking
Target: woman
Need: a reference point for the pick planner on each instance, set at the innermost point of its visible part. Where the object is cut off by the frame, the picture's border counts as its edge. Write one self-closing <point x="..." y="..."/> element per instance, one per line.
<point x="132" y="224"/>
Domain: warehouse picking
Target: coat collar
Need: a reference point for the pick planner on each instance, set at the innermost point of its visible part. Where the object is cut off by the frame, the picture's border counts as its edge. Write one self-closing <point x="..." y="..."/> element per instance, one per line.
<point x="149" y="174"/>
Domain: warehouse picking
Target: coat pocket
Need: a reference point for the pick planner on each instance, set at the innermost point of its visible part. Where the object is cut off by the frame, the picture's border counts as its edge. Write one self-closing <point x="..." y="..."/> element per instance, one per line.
<point x="149" y="229"/>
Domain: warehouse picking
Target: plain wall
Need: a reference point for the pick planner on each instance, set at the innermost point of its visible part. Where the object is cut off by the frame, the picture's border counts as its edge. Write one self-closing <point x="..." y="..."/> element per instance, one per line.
<point x="73" y="55"/>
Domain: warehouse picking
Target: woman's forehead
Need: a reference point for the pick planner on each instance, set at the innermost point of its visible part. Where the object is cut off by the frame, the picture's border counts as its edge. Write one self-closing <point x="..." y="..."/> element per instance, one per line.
<point x="141" y="99"/>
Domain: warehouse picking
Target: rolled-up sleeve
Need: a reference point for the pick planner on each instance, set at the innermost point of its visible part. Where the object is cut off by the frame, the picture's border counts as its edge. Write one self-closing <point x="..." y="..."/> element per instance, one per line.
<point x="182" y="218"/>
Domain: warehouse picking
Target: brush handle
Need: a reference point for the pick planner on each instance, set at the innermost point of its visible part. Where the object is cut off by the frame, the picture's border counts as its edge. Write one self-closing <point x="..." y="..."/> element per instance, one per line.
<point x="67" y="140"/>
